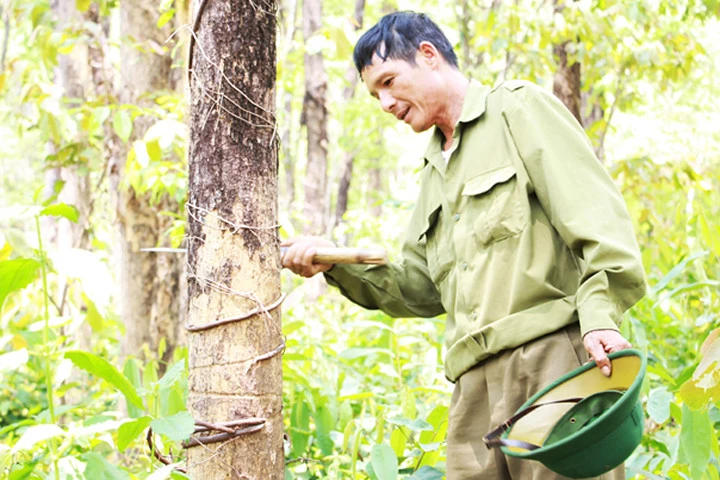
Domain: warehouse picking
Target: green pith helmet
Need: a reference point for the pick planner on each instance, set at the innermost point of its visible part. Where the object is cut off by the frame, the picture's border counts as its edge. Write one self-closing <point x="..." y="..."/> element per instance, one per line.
<point x="583" y="424"/>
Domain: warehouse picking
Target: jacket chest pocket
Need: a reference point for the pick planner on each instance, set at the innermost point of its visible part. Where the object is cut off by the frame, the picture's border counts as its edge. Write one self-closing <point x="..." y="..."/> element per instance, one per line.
<point x="496" y="205"/>
<point x="438" y="248"/>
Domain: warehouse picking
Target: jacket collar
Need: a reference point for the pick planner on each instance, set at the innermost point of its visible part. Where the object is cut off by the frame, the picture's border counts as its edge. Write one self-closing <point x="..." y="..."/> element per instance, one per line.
<point x="473" y="108"/>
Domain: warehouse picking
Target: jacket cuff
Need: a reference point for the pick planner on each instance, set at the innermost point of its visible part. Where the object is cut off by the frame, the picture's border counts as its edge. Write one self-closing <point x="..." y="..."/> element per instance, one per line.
<point x="599" y="315"/>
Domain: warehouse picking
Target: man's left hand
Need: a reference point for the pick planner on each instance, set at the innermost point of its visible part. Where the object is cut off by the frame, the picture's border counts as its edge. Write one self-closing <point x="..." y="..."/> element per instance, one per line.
<point x="599" y="343"/>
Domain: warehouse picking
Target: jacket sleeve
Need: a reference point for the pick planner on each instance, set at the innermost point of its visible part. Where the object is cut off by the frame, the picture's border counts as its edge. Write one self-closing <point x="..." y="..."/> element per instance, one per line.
<point x="583" y="204"/>
<point x="401" y="289"/>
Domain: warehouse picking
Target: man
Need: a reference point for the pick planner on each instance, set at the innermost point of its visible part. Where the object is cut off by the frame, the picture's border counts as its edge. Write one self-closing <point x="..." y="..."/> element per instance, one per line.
<point x="518" y="234"/>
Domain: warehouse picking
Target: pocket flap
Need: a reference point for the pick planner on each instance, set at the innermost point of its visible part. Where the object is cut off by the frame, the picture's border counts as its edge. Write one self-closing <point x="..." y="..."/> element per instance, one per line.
<point x="484" y="182"/>
<point x="430" y="221"/>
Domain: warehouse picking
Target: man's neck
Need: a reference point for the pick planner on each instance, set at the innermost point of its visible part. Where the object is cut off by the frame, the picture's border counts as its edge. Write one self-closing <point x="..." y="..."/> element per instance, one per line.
<point x="456" y="88"/>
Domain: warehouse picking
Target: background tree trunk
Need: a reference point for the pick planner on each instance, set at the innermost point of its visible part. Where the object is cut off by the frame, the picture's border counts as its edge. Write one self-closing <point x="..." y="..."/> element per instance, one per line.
<point x="148" y="282"/>
<point x="233" y="261"/>
<point x="315" y="118"/>
<point x="567" y="80"/>
<point x="351" y="77"/>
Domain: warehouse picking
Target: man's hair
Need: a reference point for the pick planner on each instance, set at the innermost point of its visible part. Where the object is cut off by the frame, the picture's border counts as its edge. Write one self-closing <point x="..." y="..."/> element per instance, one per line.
<point x="398" y="36"/>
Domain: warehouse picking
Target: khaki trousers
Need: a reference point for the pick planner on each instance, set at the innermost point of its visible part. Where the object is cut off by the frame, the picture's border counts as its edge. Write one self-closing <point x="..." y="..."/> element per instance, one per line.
<point x="491" y="392"/>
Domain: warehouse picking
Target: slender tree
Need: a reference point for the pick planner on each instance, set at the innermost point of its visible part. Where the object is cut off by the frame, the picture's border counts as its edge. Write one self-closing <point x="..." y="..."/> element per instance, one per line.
<point x="315" y="118"/>
<point x="351" y="78"/>
<point x="235" y="341"/>
<point x="149" y="283"/>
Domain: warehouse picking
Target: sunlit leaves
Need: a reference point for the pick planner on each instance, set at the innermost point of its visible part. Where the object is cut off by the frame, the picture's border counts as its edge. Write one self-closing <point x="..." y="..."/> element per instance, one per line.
<point x="101" y="368"/>
<point x="176" y="427"/>
<point x="17" y="274"/>
<point x="384" y="462"/>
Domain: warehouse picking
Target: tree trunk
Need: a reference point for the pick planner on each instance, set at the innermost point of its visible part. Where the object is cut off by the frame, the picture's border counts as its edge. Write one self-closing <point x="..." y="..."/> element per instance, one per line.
<point x="233" y="261"/>
<point x="148" y="282"/>
<point x="567" y="80"/>
<point x="351" y="79"/>
<point x="315" y="116"/>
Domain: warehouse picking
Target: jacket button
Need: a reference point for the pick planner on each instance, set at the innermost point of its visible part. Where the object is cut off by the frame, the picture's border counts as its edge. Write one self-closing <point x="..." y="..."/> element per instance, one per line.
<point x="456" y="217"/>
<point x="464" y="266"/>
<point x="474" y="315"/>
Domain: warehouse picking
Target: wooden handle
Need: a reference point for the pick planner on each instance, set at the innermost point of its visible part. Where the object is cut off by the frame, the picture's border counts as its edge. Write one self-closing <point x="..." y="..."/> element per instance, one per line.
<point x="333" y="255"/>
<point x="366" y="256"/>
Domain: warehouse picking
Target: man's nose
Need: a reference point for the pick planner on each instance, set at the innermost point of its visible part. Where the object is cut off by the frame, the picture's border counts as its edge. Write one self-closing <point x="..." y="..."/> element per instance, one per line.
<point x="387" y="101"/>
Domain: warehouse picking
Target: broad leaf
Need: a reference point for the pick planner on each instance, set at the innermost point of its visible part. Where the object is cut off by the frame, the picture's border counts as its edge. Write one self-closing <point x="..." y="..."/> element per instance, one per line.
<point x="100" y="367"/>
<point x="695" y="440"/>
<point x="35" y="435"/>
<point x="384" y="462"/>
<point x="658" y="405"/>
<point x="98" y="468"/>
<point x="61" y="210"/>
<point x="177" y="427"/>
<point x="123" y="125"/>
<point x="129" y="431"/>
<point x="13" y="360"/>
<point x="16" y="274"/>
<point x="427" y="473"/>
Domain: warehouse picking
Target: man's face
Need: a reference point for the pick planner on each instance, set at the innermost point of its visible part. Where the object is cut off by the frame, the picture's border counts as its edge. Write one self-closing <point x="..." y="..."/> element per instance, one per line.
<point x="409" y="92"/>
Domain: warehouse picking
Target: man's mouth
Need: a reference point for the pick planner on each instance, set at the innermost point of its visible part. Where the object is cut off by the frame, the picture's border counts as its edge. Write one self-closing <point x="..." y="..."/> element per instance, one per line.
<point x="403" y="114"/>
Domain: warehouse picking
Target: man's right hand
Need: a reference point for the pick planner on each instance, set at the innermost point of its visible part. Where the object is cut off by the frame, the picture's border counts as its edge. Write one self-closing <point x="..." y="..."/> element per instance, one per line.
<point x="299" y="254"/>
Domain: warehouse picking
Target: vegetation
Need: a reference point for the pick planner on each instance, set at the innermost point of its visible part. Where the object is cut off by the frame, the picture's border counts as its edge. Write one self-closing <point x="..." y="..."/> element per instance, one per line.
<point x="364" y="394"/>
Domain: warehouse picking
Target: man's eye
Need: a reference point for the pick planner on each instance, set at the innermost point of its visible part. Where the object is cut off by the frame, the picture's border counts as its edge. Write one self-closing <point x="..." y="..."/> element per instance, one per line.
<point x="388" y="82"/>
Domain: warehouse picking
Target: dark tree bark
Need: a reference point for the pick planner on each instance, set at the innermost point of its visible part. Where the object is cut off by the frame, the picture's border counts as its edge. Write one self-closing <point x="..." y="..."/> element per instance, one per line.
<point x="315" y="117"/>
<point x="233" y="260"/>
<point x="567" y="81"/>
<point x="351" y="79"/>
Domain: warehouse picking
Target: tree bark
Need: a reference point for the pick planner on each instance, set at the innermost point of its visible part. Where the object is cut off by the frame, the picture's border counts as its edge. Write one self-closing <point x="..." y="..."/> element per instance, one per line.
<point x="233" y="256"/>
<point x="351" y="79"/>
<point x="150" y="306"/>
<point x="567" y="81"/>
<point x="315" y="117"/>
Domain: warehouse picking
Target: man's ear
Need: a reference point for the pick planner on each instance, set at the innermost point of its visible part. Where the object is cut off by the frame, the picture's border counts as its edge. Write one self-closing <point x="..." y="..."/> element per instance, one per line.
<point x="429" y="54"/>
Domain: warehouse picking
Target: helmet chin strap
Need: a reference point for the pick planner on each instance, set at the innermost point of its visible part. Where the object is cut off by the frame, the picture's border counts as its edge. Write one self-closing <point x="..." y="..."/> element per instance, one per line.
<point x="494" y="439"/>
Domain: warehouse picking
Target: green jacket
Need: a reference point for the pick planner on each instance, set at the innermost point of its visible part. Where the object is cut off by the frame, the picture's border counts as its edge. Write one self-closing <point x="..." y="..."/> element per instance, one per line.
<point x="522" y="233"/>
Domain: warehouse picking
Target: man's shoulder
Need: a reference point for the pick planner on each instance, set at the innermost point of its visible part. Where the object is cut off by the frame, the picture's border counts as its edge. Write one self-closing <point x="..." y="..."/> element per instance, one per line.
<point x="517" y="86"/>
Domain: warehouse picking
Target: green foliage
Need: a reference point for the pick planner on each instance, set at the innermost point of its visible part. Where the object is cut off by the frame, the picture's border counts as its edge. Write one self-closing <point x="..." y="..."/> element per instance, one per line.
<point x="364" y="394"/>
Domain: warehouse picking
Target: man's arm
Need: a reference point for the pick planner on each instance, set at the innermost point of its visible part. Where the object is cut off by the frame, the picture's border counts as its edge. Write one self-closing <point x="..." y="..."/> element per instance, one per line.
<point x="586" y="208"/>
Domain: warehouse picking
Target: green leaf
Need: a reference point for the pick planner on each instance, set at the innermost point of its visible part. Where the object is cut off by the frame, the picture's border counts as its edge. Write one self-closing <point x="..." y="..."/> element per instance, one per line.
<point x="16" y="274"/>
<point x="384" y="462"/>
<point x="83" y="5"/>
<point x="93" y="317"/>
<point x="177" y="427"/>
<point x="398" y="441"/>
<point x="417" y="425"/>
<point x="300" y="426"/>
<point x="35" y="435"/>
<point x="13" y="360"/>
<point x="100" y="367"/>
<point x="129" y="431"/>
<point x="132" y="372"/>
<point x="658" y="405"/>
<point x="61" y="210"/>
<point x="172" y="375"/>
<point x="323" y="425"/>
<point x="97" y="468"/>
<point x="696" y="434"/>
<point x="154" y="150"/>
<point x="427" y="473"/>
<point x="123" y="125"/>
<point x="165" y="18"/>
